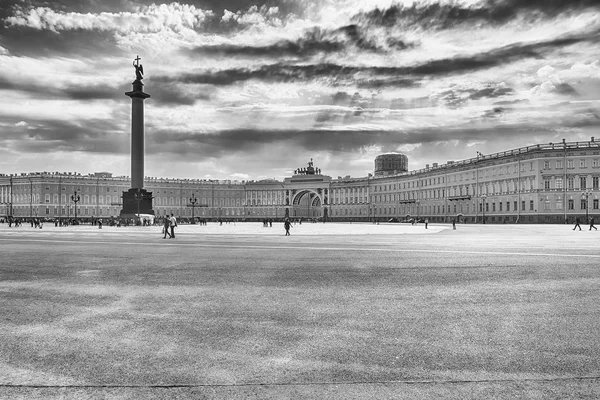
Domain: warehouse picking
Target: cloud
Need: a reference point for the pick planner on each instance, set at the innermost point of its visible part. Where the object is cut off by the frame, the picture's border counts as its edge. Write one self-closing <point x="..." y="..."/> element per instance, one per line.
<point x="152" y="18"/>
<point x="315" y="41"/>
<point x="47" y="136"/>
<point x="438" y="15"/>
<point x="168" y="94"/>
<point x="246" y="141"/>
<point x="25" y="41"/>
<point x="460" y="95"/>
<point x="376" y="76"/>
<point x="253" y="16"/>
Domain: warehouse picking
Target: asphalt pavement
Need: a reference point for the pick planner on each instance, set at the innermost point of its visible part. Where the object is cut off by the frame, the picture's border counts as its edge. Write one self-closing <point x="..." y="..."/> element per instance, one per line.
<point x="332" y="311"/>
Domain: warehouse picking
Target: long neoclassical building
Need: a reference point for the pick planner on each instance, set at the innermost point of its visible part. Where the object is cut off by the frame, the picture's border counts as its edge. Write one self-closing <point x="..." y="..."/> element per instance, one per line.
<point x="542" y="183"/>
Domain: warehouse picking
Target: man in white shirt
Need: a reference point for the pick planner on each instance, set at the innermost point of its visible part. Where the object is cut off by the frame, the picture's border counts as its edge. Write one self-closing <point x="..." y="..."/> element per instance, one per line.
<point x="173" y="225"/>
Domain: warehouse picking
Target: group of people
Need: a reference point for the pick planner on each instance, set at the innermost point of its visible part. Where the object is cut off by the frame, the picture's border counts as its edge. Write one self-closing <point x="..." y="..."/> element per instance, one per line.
<point x="267" y="222"/>
<point x="577" y="222"/>
<point x="169" y="225"/>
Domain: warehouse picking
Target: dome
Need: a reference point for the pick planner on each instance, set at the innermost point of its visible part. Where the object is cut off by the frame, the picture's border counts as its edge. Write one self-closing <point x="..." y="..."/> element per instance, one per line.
<point x="390" y="163"/>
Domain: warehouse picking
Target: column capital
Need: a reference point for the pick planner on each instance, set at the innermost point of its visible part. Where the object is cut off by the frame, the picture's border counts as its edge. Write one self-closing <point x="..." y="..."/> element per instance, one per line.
<point x="138" y="90"/>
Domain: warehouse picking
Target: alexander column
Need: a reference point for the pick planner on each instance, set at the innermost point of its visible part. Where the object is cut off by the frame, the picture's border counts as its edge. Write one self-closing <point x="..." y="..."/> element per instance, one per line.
<point x="137" y="199"/>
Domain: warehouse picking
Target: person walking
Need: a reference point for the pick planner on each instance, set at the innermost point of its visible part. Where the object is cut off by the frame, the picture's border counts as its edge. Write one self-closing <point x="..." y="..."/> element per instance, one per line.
<point x="577" y="224"/>
<point x="453" y="224"/>
<point x="426" y="222"/>
<point x="287" y="225"/>
<point x="166" y="224"/>
<point x="592" y="224"/>
<point x="173" y="223"/>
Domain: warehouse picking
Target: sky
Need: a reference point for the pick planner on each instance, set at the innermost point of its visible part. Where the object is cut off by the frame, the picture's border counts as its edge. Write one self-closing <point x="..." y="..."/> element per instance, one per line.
<point x="249" y="90"/>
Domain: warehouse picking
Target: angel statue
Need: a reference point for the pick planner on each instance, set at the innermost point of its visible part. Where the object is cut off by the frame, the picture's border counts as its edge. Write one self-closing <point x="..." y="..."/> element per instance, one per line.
<point x="139" y="69"/>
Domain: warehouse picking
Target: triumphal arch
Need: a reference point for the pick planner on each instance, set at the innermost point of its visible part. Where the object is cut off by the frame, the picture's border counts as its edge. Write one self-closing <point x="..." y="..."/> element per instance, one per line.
<point x="307" y="193"/>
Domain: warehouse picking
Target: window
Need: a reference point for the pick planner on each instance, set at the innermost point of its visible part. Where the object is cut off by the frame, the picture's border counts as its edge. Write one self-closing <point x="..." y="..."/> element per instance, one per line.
<point x="523" y="205"/>
<point x="547" y="184"/>
<point x="595" y="182"/>
<point x="558" y="182"/>
<point x="570" y="182"/>
<point x="559" y="204"/>
<point x="493" y="206"/>
<point x="508" y="206"/>
<point x="546" y="164"/>
<point x="595" y="163"/>
<point x="530" y="205"/>
<point x="547" y="204"/>
<point x="570" y="164"/>
<point x="559" y="164"/>
<point x="582" y="182"/>
<point x="583" y="204"/>
<point x="571" y="204"/>
<point x="500" y="206"/>
<point x="47" y="198"/>
<point x="595" y="204"/>
<point x="582" y="163"/>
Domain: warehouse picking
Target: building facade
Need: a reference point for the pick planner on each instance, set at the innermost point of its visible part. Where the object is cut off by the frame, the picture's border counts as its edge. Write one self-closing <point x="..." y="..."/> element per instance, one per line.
<point x="549" y="183"/>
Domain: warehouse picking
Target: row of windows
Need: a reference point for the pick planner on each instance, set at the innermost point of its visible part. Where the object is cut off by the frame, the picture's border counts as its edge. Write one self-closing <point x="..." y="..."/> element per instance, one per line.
<point x="583" y="183"/>
<point x="558" y="164"/>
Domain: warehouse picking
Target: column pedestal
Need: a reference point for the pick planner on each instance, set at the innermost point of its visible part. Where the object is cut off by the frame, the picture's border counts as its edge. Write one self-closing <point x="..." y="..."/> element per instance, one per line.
<point x="130" y="203"/>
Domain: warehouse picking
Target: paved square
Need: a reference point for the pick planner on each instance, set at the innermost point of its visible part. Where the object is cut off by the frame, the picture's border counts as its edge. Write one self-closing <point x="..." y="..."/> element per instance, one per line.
<point x="333" y="311"/>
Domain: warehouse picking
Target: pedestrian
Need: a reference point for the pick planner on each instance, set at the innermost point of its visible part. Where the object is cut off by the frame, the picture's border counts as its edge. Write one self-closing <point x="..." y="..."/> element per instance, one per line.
<point x="287" y="225"/>
<point x="592" y="224"/>
<point x="577" y="224"/>
<point x="426" y="222"/>
<point x="99" y="223"/>
<point x="166" y="224"/>
<point x="173" y="223"/>
<point x="453" y="224"/>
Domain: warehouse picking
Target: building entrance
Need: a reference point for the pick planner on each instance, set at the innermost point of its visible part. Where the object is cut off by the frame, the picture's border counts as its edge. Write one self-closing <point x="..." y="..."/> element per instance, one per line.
<point x="307" y="204"/>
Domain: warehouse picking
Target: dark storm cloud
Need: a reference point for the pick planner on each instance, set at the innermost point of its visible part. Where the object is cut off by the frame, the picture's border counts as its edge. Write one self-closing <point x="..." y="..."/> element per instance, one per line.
<point x="302" y="47"/>
<point x="457" y="97"/>
<point x="282" y="72"/>
<point x="245" y="140"/>
<point x="167" y="94"/>
<point x="565" y="88"/>
<point x="46" y="91"/>
<point x="381" y="76"/>
<point x="313" y="42"/>
<point x="448" y="15"/>
<point x="80" y="43"/>
<point x="47" y="136"/>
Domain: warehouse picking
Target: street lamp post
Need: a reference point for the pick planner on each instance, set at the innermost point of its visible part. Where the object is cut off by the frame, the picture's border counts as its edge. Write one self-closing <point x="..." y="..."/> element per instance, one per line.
<point x="193" y="202"/>
<point x="75" y="198"/>
<point x="587" y="193"/>
<point x="483" y="197"/>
